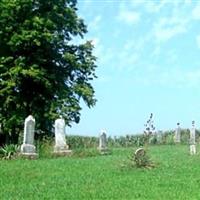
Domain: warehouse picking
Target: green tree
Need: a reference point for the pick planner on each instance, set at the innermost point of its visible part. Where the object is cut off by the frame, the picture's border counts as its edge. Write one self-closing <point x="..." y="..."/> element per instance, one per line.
<point x="43" y="72"/>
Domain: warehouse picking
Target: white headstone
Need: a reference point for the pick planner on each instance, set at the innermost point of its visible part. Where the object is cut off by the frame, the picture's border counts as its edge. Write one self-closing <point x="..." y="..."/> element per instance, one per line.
<point x="102" y="140"/>
<point x="192" y="149"/>
<point x="159" y="136"/>
<point x="28" y="147"/>
<point x="178" y="134"/>
<point x="192" y="139"/>
<point x="60" y="132"/>
<point x="60" y="140"/>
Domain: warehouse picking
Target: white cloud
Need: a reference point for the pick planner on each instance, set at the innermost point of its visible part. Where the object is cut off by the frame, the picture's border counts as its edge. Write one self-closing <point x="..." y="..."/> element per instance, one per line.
<point x="94" y="24"/>
<point x="175" y="78"/>
<point x="154" y="6"/>
<point x="128" y="16"/>
<point x="136" y="3"/>
<point x="104" y="55"/>
<point x="198" y="41"/>
<point x="95" y="41"/>
<point x="186" y="78"/>
<point x="196" y="12"/>
<point x="188" y="2"/>
<point x="166" y="28"/>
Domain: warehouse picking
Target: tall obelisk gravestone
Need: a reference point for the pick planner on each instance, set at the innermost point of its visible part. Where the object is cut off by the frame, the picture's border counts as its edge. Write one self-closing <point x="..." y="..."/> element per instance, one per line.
<point x="192" y="139"/>
<point x="178" y="134"/>
<point x="103" y="143"/>
<point x="28" y="148"/>
<point x="61" y="147"/>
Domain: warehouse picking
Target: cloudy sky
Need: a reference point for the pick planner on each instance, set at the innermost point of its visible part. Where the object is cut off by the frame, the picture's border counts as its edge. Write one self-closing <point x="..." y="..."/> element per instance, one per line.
<point x="148" y="61"/>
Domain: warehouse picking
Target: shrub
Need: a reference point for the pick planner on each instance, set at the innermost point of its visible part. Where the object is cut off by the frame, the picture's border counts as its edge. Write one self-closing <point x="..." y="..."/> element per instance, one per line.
<point x="45" y="147"/>
<point x="141" y="159"/>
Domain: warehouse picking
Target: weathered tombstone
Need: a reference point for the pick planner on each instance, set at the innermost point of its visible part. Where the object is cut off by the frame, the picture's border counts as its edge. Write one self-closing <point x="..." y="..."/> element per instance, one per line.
<point x="28" y="148"/>
<point x="102" y="142"/>
<point x="192" y="139"/>
<point x="60" y="148"/>
<point x="177" y="138"/>
<point x="159" y="136"/>
<point x="139" y="152"/>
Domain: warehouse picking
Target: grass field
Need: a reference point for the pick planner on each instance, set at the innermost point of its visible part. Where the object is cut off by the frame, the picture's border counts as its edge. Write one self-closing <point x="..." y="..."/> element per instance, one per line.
<point x="176" y="176"/>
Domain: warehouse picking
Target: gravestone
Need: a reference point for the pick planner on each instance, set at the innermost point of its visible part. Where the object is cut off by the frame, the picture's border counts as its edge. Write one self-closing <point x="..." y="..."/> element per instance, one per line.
<point x="139" y="152"/>
<point x="28" y="147"/>
<point x="102" y="142"/>
<point x="177" y="138"/>
<point x="61" y="146"/>
<point x="159" y="136"/>
<point x="192" y="139"/>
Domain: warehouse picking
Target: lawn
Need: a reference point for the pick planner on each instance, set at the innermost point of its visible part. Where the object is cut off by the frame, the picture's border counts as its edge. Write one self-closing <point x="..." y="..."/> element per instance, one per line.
<point x="176" y="176"/>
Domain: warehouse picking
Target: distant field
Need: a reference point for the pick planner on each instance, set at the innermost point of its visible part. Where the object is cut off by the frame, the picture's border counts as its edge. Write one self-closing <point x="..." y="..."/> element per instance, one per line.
<point x="177" y="176"/>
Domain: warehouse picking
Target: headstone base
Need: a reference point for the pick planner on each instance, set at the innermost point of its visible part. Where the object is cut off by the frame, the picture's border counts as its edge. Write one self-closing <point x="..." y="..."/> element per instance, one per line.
<point x="62" y="151"/>
<point x="29" y="155"/>
<point x="28" y="149"/>
<point x="192" y="149"/>
<point x="103" y="151"/>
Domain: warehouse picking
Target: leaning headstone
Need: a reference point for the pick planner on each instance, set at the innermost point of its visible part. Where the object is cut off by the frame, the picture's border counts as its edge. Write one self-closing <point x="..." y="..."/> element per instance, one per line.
<point x="60" y="148"/>
<point x="102" y="142"/>
<point x="177" y="138"/>
<point x="192" y="139"/>
<point x="28" y="148"/>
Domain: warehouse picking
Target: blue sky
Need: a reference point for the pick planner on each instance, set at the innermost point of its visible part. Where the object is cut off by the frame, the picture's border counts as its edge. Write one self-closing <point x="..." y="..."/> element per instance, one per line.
<point x="148" y="61"/>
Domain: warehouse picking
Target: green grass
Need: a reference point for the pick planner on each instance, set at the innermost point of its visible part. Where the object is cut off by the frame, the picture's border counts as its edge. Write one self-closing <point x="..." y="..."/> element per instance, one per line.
<point x="176" y="176"/>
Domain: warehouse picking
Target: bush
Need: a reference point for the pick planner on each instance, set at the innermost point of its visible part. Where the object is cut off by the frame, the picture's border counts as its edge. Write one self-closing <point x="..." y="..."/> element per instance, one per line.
<point x="45" y="147"/>
<point x="141" y="159"/>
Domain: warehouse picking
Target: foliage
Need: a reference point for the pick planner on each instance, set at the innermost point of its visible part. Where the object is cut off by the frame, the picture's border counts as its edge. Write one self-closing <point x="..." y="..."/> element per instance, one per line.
<point x="185" y="135"/>
<point x="76" y="141"/>
<point x="149" y="126"/>
<point x="83" y="152"/>
<point x="8" y="151"/>
<point x="45" y="147"/>
<point x="153" y="139"/>
<point x="43" y="71"/>
<point x="149" y="129"/>
<point x="141" y="159"/>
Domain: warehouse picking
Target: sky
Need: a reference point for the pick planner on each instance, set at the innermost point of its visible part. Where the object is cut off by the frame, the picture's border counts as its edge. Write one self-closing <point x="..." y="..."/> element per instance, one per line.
<point x="148" y="58"/>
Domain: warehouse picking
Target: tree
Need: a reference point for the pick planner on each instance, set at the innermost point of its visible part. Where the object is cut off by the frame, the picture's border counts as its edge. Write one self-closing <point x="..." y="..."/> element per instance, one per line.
<point x="43" y="72"/>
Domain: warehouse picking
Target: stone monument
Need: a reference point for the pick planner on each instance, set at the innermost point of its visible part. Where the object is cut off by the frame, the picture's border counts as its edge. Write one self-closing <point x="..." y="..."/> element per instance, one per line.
<point x="102" y="142"/>
<point x="60" y="141"/>
<point x="192" y="139"/>
<point x="159" y="136"/>
<point x="28" y="148"/>
<point x="177" y="138"/>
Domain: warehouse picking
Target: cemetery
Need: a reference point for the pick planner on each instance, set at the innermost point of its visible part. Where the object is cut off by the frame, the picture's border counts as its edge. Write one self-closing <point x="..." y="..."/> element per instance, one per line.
<point x="102" y="167"/>
<point x="147" y="54"/>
